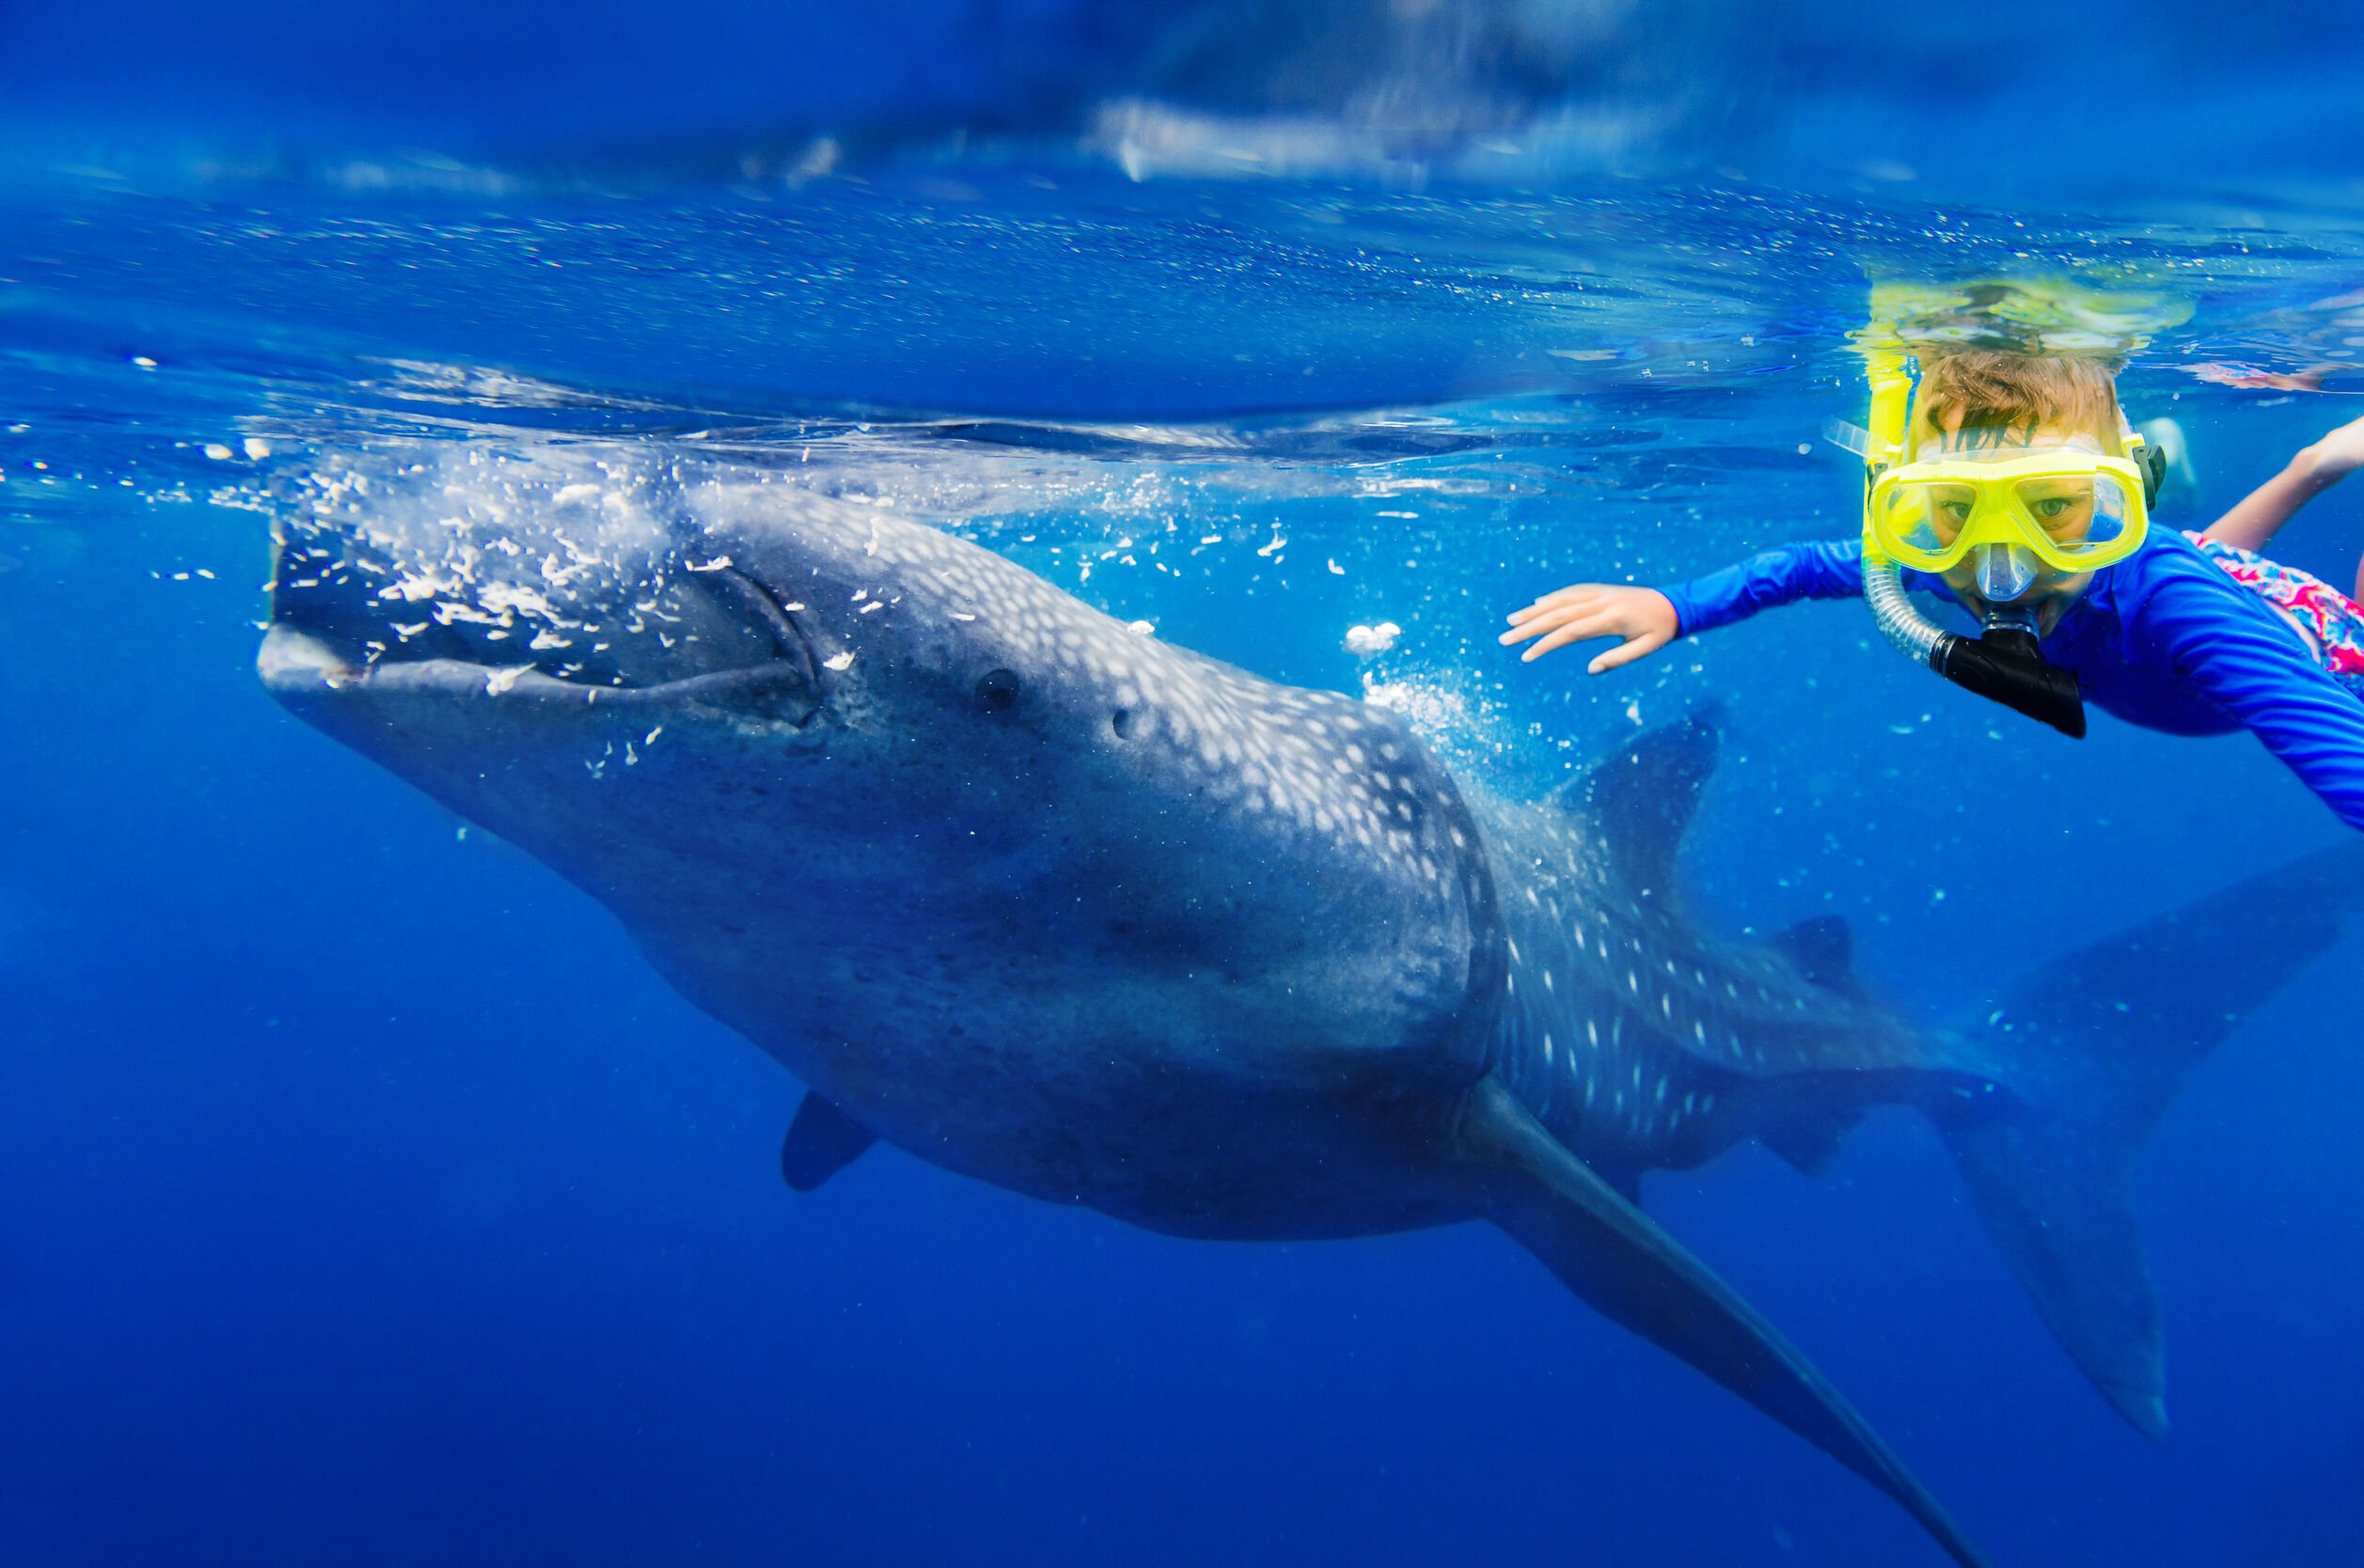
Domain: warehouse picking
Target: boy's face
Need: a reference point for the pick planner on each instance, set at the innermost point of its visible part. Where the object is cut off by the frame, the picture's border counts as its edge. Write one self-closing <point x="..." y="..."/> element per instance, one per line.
<point x="2062" y="506"/>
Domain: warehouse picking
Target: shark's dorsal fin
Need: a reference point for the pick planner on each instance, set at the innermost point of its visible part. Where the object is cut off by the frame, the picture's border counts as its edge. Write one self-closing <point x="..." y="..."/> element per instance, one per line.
<point x="821" y="1141"/>
<point x="1822" y="951"/>
<point x="1643" y="797"/>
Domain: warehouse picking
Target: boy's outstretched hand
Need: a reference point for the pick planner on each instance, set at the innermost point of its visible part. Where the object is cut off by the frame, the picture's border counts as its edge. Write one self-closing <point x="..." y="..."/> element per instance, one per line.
<point x="1644" y="619"/>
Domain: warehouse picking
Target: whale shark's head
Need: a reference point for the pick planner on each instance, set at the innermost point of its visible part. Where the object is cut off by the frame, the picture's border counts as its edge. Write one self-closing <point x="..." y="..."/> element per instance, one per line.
<point x="873" y="793"/>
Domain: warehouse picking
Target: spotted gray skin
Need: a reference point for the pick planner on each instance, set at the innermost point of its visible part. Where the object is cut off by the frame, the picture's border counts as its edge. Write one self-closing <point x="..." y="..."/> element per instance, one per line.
<point x="1643" y="1043"/>
<point x="1058" y="905"/>
<point x="1045" y="900"/>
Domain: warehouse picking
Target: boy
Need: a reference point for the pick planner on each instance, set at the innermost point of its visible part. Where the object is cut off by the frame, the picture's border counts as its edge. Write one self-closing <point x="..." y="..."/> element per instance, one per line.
<point x="2192" y="635"/>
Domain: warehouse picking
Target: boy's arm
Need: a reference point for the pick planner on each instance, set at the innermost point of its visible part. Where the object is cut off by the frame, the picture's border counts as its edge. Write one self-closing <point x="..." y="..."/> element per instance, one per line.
<point x="2258" y="672"/>
<point x="1815" y="568"/>
<point x="1647" y="619"/>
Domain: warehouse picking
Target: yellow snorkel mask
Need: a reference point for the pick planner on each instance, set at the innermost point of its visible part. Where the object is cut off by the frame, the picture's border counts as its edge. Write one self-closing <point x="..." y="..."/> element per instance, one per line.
<point x="2068" y="507"/>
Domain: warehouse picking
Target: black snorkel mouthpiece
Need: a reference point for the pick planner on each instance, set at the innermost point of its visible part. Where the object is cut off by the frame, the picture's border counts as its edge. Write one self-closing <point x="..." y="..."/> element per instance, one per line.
<point x="2002" y="663"/>
<point x="2004" y="666"/>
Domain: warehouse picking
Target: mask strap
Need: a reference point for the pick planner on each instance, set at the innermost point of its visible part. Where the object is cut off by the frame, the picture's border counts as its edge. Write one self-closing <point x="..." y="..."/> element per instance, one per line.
<point x="2151" y="460"/>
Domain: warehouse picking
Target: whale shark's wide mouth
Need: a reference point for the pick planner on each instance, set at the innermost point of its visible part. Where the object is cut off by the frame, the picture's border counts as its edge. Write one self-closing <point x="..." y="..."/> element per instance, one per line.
<point x="675" y="631"/>
<point x="295" y="663"/>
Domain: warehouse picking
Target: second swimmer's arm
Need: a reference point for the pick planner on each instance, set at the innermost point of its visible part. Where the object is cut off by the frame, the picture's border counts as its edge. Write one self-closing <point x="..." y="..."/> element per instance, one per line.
<point x="1645" y="619"/>
<point x="2255" y="519"/>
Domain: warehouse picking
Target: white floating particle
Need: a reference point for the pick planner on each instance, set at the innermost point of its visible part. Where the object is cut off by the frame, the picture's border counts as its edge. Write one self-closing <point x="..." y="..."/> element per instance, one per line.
<point x="1336" y="570"/>
<point x="715" y="565"/>
<point x="1140" y="628"/>
<point x="143" y="362"/>
<point x="218" y="452"/>
<point x="499" y="680"/>
<point x="838" y="661"/>
<point x="1373" y="640"/>
<point x="257" y="447"/>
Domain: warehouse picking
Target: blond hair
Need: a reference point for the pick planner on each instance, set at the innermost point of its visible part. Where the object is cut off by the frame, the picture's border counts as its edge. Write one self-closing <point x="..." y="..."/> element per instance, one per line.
<point x="1989" y="386"/>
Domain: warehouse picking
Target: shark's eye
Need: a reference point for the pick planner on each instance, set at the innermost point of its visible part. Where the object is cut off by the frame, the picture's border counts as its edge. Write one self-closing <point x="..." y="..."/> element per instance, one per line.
<point x="997" y="690"/>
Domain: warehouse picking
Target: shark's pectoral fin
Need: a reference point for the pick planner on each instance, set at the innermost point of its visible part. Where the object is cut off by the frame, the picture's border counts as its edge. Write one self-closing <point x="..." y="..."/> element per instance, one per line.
<point x="822" y="1141"/>
<point x="1632" y="1272"/>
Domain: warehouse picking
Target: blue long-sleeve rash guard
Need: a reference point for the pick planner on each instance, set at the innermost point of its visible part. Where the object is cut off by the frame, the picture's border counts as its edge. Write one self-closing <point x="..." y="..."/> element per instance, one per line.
<point x="2164" y="639"/>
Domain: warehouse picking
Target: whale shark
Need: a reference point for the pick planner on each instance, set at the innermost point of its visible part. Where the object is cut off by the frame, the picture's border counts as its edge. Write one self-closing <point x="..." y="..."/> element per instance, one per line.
<point x="1048" y="902"/>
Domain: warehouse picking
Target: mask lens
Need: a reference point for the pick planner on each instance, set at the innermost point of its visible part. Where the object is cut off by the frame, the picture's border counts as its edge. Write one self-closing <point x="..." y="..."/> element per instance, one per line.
<point x="2081" y="514"/>
<point x="2113" y="511"/>
<point x="1923" y="520"/>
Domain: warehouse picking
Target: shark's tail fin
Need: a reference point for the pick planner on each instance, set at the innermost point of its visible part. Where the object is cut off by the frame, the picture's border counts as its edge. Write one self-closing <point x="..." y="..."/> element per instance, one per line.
<point x="2085" y="1055"/>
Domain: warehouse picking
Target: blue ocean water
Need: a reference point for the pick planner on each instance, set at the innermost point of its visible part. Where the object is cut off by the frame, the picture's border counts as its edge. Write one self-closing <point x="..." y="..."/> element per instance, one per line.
<point x="364" y="1198"/>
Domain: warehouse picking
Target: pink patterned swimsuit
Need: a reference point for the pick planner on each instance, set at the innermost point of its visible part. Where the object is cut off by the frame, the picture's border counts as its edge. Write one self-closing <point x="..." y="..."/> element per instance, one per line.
<point x="2331" y="618"/>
